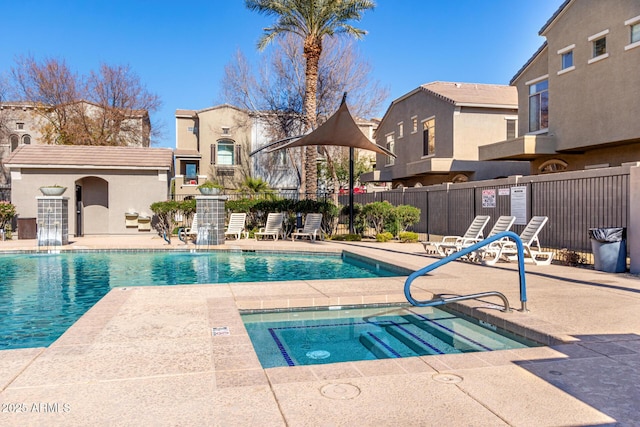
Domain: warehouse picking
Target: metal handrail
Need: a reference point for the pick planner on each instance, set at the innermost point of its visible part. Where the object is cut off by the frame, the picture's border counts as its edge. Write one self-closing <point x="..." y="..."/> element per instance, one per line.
<point x="461" y="253"/>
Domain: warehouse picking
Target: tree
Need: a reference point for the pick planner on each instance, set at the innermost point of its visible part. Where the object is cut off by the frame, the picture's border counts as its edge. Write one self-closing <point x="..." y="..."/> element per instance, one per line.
<point x="341" y="167"/>
<point x="273" y="88"/>
<point x="252" y="187"/>
<point x="108" y="107"/>
<point x="311" y="21"/>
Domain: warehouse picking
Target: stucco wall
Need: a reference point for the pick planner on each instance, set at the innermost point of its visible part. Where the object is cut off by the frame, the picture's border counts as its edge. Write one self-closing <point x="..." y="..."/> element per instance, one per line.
<point x="537" y="69"/>
<point x="474" y="127"/>
<point x="595" y="103"/>
<point x="104" y="213"/>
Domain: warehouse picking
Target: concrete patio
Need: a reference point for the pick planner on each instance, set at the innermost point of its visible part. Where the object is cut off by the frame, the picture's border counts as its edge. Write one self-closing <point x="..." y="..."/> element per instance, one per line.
<point x="146" y="355"/>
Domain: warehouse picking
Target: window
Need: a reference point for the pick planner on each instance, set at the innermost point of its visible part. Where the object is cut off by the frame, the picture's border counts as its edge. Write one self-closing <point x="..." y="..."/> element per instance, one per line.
<point x="429" y="137"/>
<point x="539" y="106"/>
<point x="511" y="128"/>
<point x="567" y="60"/>
<point x="400" y="129"/>
<point x="14" y="140"/>
<point x="634" y="32"/>
<point x="225" y="130"/>
<point x="280" y="159"/>
<point x="414" y="124"/>
<point x="20" y="126"/>
<point x="225" y="153"/>
<point x="26" y="139"/>
<point x="390" y="147"/>
<point x="598" y="46"/>
<point x="554" y="165"/>
<point x="191" y="173"/>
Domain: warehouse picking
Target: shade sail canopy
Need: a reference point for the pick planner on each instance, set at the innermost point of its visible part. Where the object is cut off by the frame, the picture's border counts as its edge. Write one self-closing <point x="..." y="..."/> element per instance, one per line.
<point x="340" y="129"/>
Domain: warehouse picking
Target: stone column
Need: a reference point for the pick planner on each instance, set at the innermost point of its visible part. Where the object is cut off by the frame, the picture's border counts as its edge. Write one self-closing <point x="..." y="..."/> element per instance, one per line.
<point x="53" y="220"/>
<point x="211" y="219"/>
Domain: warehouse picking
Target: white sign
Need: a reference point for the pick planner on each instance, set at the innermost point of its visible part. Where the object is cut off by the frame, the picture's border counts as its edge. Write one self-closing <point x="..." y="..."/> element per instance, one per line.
<point x="220" y="331"/>
<point x="503" y="192"/>
<point x="519" y="204"/>
<point x="489" y="198"/>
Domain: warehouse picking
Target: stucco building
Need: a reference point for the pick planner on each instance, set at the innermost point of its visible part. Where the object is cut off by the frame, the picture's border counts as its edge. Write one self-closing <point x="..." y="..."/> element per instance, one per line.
<point x="436" y="129"/>
<point x="214" y="143"/>
<point x="578" y="95"/>
<point x="106" y="186"/>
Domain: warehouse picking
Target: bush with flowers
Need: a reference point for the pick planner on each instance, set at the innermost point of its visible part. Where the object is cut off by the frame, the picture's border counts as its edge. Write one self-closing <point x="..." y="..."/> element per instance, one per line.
<point x="7" y="212"/>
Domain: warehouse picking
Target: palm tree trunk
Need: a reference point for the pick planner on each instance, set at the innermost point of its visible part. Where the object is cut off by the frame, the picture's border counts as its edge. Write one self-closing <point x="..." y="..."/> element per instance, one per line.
<point x="312" y="51"/>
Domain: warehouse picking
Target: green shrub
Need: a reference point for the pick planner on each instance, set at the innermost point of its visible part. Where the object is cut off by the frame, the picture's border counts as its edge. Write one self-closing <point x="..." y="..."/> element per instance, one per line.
<point x="378" y="214"/>
<point x="165" y="213"/>
<point x="406" y="216"/>
<point x="7" y="212"/>
<point x="359" y="220"/>
<point x="384" y="237"/>
<point x="408" y="237"/>
<point x="347" y="237"/>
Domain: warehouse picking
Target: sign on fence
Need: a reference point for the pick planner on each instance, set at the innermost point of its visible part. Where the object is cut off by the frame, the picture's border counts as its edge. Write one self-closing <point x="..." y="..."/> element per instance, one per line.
<point x="519" y="204"/>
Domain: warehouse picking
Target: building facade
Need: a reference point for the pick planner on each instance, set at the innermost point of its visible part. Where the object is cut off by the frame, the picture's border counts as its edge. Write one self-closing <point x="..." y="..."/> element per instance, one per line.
<point x="26" y="123"/>
<point x="436" y="129"/>
<point x="109" y="189"/>
<point x="215" y="144"/>
<point x="578" y="95"/>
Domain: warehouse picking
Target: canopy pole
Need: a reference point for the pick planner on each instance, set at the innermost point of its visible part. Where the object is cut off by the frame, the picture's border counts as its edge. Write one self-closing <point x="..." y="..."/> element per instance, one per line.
<point x="351" y="190"/>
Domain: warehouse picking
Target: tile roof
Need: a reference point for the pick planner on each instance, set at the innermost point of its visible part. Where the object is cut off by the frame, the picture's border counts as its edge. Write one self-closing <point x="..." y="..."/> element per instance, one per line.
<point x="84" y="156"/>
<point x="474" y="93"/>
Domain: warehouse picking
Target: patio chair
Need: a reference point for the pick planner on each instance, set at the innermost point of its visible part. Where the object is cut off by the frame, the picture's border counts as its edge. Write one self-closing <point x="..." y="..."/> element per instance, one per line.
<point x="451" y="244"/>
<point x="507" y="249"/>
<point x="272" y="228"/>
<point x="192" y="231"/>
<point x="312" y="227"/>
<point x="503" y="223"/>
<point x="236" y="225"/>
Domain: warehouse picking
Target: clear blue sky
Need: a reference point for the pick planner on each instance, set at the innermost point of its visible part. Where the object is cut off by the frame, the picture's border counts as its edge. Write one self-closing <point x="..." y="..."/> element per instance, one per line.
<point x="179" y="49"/>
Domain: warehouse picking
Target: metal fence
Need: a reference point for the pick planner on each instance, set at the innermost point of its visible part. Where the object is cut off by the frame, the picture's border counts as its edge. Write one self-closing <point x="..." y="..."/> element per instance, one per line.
<point x="573" y="201"/>
<point x="5" y="193"/>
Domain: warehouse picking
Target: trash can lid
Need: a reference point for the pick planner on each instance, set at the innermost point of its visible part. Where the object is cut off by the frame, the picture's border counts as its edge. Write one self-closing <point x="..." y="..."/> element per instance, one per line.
<point x="607" y="234"/>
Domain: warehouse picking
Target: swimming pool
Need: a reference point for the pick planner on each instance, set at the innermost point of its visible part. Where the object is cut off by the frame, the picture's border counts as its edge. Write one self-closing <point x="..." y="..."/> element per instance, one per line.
<point x="330" y="336"/>
<point x="42" y="295"/>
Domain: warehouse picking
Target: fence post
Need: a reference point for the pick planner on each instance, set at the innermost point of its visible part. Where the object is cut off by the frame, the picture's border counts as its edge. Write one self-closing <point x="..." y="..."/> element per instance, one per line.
<point x="633" y="225"/>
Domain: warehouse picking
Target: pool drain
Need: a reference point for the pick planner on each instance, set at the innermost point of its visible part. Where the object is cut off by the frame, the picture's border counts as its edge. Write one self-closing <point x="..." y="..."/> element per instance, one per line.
<point x="447" y="378"/>
<point x="340" y="391"/>
<point x="318" y="354"/>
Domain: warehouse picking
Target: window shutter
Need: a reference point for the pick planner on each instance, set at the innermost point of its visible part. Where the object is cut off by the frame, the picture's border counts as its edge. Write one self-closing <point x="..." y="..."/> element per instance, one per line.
<point x="237" y="159"/>
<point x="213" y="154"/>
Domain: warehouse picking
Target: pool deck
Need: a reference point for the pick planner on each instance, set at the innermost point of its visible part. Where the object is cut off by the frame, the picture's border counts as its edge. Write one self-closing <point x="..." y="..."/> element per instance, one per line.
<point x="147" y="355"/>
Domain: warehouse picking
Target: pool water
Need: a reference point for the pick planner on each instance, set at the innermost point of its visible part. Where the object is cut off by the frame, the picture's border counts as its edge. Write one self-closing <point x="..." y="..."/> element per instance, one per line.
<point x="330" y="336"/>
<point x="42" y="295"/>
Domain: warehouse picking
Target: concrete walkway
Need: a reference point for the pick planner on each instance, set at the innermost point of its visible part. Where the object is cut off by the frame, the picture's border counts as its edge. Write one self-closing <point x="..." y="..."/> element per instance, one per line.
<point x="146" y="355"/>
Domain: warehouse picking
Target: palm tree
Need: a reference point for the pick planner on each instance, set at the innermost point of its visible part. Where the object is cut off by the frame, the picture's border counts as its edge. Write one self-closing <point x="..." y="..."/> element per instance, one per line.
<point x="311" y="20"/>
<point x="254" y="186"/>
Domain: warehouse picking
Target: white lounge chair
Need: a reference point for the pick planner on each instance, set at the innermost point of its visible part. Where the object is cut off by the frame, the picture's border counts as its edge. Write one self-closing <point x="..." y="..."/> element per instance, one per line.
<point x="272" y="228"/>
<point x="451" y="244"/>
<point x="503" y="223"/>
<point x="236" y="225"/>
<point x="508" y="249"/>
<point x="190" y="231"/>
<point x="312" y="227"/>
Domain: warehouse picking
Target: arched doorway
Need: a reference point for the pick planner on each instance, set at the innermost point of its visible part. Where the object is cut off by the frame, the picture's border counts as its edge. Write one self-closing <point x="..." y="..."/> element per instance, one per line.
<point x="92" y="206"/>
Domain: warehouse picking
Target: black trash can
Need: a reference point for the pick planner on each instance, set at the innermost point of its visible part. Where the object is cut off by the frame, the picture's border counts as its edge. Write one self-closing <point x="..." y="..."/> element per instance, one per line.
<point x="609" y="248"/>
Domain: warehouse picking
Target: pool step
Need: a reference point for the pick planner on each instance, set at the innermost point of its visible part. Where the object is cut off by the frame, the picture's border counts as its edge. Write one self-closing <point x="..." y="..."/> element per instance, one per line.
<point x="380" y="347"/>
<point x="449" y="337"/>
<point x="420" y="345"/>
